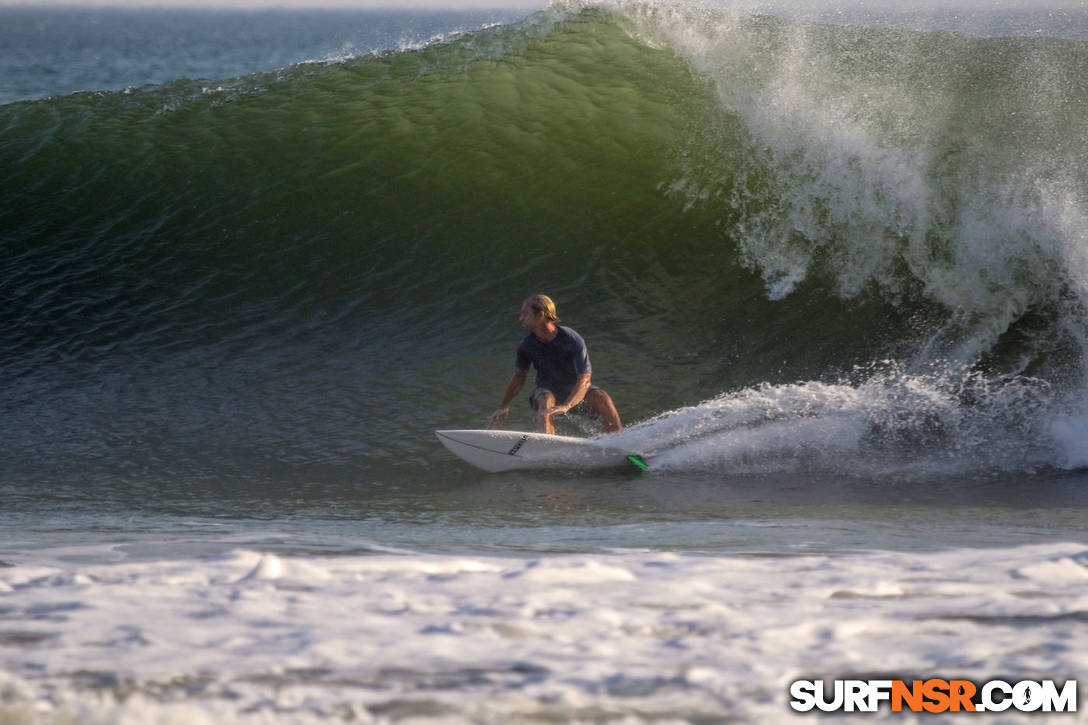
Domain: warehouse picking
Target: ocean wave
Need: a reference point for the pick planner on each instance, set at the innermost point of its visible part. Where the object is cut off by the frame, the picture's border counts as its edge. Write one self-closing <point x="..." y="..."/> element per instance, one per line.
<point x="737" y="198"/>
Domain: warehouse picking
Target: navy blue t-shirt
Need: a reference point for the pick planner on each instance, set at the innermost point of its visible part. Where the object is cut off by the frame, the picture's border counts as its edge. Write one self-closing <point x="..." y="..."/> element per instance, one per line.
<point x="558" y="363"/>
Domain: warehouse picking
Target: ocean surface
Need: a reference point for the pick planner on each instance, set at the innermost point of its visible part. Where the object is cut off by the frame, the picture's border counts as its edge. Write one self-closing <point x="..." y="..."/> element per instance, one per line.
<point x="832" y="266"/>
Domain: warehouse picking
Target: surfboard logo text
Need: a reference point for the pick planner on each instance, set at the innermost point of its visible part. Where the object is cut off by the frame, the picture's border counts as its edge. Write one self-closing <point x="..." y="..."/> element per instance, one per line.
<point x="518" y="445"/>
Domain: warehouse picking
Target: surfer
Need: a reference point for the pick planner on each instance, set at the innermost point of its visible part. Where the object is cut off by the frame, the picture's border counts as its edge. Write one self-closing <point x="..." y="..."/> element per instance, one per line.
<point x="563" y="372"/>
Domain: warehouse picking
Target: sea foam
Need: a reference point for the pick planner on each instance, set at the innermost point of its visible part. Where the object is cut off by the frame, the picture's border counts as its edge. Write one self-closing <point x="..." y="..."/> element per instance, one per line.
<point x="252" y="637"/>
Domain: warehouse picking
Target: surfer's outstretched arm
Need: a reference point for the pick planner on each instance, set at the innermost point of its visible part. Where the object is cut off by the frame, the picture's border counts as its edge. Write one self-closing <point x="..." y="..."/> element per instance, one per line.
<point x="517" y="382"/>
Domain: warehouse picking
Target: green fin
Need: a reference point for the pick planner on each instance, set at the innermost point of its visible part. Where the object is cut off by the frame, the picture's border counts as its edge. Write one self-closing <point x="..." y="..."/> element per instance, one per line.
<point x="638" y="462"/>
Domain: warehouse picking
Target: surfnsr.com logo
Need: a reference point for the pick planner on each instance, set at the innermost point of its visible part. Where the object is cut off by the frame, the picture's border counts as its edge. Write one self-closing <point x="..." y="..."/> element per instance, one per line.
<point x="933" y="695"/>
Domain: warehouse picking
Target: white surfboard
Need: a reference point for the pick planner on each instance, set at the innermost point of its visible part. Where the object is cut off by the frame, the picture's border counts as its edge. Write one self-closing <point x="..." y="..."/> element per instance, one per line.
<point x="506" y="450"/>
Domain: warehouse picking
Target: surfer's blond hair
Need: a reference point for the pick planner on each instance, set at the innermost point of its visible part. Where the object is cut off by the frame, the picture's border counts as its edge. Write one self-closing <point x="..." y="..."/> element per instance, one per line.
<point x="544" y="303"/>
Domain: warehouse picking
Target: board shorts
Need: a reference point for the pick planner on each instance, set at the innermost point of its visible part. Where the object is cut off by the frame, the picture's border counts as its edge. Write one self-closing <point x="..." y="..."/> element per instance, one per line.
<point x="580" y="409"/>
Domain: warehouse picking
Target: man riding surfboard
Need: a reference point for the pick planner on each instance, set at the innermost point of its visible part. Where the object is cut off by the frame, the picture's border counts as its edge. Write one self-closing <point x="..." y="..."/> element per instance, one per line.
<point x="563" y="372"/>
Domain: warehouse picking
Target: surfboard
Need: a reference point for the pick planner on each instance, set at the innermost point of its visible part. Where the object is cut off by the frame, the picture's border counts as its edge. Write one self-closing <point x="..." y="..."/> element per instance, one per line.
<point x="506" y="450"/>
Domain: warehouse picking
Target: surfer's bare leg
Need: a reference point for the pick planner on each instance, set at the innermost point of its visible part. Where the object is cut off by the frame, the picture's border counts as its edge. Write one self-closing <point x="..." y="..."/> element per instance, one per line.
<point x="602" y="406"/>
<point x="544" y="401"/>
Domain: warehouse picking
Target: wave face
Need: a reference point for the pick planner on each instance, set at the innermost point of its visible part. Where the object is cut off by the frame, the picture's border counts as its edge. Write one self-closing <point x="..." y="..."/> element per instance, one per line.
<point x="789" y="244"/>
